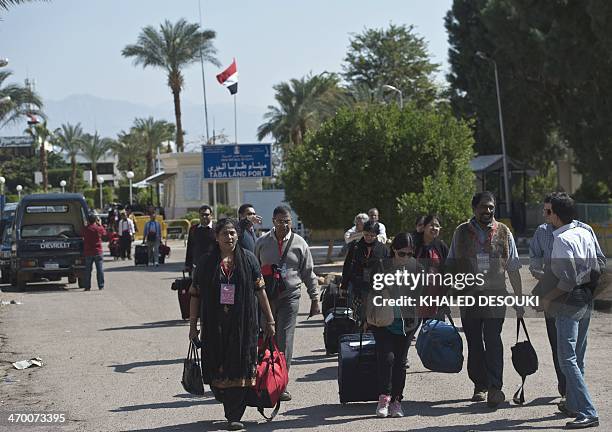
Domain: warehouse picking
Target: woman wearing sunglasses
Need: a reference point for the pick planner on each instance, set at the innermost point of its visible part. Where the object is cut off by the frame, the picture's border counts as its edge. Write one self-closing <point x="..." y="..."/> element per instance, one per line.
<point x="392" y="341"/>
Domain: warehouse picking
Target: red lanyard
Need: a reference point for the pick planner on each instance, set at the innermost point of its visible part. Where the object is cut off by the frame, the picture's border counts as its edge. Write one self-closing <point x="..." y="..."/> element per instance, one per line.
<point x="487" y="240"/>
<point x="280" y="248"/>
<point x="227" y="271"/>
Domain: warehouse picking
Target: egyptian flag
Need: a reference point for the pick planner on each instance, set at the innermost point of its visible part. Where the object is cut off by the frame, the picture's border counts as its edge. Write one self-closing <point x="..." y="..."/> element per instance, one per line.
<point x="229" y="78"/>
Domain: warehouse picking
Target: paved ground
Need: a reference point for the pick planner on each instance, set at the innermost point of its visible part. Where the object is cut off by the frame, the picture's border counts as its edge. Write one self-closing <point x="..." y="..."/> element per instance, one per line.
<point x="113" y="361"/>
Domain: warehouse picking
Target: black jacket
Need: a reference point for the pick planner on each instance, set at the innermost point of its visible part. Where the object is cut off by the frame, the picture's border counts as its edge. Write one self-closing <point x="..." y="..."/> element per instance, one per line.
<point x="201" y="241"/>
<point x="246" y="235"/>
<point x="358" y="265"/>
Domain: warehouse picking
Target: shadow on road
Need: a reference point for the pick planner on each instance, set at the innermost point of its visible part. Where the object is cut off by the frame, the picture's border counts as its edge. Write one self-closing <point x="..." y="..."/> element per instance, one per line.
<point x="43" y="287"/>
<point x="207" y="400"/>
<point x="146" y="326"/>
<point x="313" y="359"/>
<point x="329" y="373"/>
<point x="129" y="266"/>
<point x="208" y="426"/>
<point x="126" y="368"/>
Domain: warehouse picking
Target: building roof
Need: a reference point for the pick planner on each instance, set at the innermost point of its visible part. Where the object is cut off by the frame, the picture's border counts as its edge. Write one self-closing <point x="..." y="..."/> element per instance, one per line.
<point x="490" y="163"/>
<point x="154" y="179"/>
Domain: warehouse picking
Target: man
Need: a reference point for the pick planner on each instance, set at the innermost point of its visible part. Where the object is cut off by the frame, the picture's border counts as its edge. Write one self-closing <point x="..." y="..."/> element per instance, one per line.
<point x="540" y="250"/>
<point x="248" y="218"/>
<point x="295" y="271"/>
<point x="356" y="232"/>
<point x="92" y="250"/>
<point x="485" y="246"/>
<point x="374" y="217"/>
<point x="573" y="261"/>
<point x="126" y="235"/>
<point x="152" y="237"/>
<point x="201" y="239"/>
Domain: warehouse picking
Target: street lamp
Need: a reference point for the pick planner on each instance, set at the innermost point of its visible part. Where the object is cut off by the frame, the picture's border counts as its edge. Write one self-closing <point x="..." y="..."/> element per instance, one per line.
<point x="5" y="99"/>
<point x="19" y="188"/>
<point x="2" y="181"/>
<point x="483" y="56"/>
<point x="3" y="62"/>
<point x="398" y="91"/>
<point x="63" y="185"/>
<point x="100" y="180"/>
<point x="130" y="176"/>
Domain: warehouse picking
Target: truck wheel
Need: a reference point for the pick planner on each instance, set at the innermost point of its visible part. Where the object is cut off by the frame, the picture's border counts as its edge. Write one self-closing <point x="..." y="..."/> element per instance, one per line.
<point x="72" y="279"/>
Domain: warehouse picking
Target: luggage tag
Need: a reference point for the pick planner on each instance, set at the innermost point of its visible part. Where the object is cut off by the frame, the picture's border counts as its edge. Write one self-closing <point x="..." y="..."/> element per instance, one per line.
<point x="227" y="293"/>
<point x="482" y="260"/>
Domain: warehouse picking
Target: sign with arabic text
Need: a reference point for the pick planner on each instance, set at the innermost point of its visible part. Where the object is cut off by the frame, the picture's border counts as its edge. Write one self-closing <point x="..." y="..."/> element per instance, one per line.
<point x="237" y="161"/>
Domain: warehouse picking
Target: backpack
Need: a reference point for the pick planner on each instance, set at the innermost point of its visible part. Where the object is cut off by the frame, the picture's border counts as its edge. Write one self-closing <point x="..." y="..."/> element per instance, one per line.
<point x="524" y="360"/>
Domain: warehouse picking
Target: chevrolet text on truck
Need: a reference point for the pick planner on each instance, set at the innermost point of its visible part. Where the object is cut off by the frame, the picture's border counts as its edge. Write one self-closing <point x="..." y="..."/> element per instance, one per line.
<point x="46" y="239"/>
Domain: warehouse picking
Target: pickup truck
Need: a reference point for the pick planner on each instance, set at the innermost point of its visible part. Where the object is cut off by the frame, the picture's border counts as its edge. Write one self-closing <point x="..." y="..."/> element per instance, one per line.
<point x="46" y="239"/>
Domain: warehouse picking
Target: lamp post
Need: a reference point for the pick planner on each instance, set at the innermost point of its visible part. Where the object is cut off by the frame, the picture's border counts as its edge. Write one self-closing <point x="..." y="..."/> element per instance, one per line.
<point x="100" y="180"/>
<point x="130" y="176"/>
<point x="63" y="185"/>
<point x="483" y="56"/>
<point x="5" y="99"/>
<point x="2" y="181"/>
<point x="19" y="188"/>
<point x="398" y="91"/>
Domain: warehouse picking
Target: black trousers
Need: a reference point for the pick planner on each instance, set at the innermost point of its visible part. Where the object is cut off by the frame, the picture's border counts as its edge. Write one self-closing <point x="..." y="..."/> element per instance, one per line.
<point x="485" y="349"/>
<point x="125" y="247"/>
<point x="551" y="330"/>
<point x="391" y="353"/>
<point x="233" y="400"/>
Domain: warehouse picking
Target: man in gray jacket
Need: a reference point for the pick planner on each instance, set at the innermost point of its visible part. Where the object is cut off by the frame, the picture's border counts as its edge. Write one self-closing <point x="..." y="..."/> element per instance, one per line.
<point x="295" y="270"/>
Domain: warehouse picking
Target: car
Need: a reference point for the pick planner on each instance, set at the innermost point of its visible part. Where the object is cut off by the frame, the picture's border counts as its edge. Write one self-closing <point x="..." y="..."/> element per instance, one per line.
<point x="46" y="240"/>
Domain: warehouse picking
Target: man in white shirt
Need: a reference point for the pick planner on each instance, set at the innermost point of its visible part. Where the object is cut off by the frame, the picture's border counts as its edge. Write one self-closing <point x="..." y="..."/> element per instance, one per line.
<point x="374" y="217"/>
<point x="356" y="232"/>
<point x="574" y="264"/>
<point x="126" y="230"/>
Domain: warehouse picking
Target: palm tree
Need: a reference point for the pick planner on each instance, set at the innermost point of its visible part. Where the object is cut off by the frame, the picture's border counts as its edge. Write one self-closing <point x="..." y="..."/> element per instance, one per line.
<point x="94" y="148"/>
<point x="22" y="100"/>
<point x="303" y="104"/>
<point x="40" y="133"/>
<point x="129" y="147"/>
<point x="70" y="139"/>
<point x="172" y="48"/>
<point x="152" y="133"/>
<point x="5" y="4"/>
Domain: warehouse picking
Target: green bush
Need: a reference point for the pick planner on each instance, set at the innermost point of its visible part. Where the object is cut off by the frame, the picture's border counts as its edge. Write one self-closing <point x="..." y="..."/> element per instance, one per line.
<point x="225" y="211"/>
<point x="93" y="195"/>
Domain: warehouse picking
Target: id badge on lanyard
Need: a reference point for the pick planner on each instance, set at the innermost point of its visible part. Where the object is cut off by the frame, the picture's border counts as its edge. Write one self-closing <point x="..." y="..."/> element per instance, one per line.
<point x="228" y="291"/>
<point x="482" y="260"/>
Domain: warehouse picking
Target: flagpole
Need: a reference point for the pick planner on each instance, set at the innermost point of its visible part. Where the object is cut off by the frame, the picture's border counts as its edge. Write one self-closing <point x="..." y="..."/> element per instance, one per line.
<point x="203" y="80"/>
<point x="236" y="141"/>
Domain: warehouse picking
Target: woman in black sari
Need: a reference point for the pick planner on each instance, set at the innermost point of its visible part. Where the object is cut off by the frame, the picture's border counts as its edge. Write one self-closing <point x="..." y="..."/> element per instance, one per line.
<point x="226" y="291"/>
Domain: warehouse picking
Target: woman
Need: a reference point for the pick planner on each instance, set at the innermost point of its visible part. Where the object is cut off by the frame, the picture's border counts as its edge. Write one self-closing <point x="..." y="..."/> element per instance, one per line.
<point x="227" y="288"/>
<point x="431" y="252"/>
<point x="393" y="341"/>
<point x="363" y="259"/>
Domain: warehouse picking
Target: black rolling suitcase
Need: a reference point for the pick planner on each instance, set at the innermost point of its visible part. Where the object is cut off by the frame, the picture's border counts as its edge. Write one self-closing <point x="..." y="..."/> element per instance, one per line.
<point x="338" y="321"/>
<point x="330" y="297"/>
<point x="182" y="286"/>
<point x="357" y="374"/>
<point x="141" y="255"/>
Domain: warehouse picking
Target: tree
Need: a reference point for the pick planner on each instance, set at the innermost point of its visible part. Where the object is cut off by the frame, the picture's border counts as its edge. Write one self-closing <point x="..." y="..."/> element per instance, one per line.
<point x="302" y="105"/>
<point x="151" y="134"/>
<point x="373" y="156"/>
<point x="395" y="56"/>
<point x="173" y="47"/>
<point x="70" y="139"/>
<point x="6" y="4"/>
<point x="41" y="134"/>
<point x="94" y="149"/>
<point x="129" y="147"/>
<point x="23" y="100"/>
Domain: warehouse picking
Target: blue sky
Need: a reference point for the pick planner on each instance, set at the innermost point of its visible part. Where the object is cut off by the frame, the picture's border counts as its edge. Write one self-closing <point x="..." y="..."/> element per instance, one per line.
<point x="73" y="47"/>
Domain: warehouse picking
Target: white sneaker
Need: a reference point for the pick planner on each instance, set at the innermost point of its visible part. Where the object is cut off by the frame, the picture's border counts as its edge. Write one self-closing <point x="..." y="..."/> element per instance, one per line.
<point x="395" y="409"/>
<point x="382" y="410"/>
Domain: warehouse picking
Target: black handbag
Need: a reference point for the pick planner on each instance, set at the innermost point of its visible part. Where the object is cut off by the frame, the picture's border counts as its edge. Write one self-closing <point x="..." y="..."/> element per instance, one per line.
<point x="524" y="360"/>
<point x="274" y="281"/>
<point x="181" y="283"/>
<point x="192" y="372"/>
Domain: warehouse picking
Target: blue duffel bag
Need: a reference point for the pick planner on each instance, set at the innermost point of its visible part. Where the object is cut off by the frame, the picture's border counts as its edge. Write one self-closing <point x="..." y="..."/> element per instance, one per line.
<point x="440" y="347"/>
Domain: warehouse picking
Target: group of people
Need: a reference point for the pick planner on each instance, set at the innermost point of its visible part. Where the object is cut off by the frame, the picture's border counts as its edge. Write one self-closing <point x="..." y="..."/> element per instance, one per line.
<point x="231" y="300"/>
<point x="565" y="258"/>
<point x="230" y="266"/>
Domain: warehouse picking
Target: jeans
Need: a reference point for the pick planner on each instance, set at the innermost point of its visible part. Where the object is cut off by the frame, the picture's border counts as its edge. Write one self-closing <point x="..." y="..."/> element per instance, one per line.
<point x="153" y="249"/>
<point x="89" y="261"/>
<point x="571" y="347"/>
<point x="485" y="349"/>
<point x="285" y="311"/>
<point x="391" y="353"/>
<point x="551" y="330"/>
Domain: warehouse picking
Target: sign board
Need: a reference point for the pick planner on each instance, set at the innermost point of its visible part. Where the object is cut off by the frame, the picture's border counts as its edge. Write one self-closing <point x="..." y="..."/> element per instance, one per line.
<point x="237" y="161"/>
<point x="16" y="141"/>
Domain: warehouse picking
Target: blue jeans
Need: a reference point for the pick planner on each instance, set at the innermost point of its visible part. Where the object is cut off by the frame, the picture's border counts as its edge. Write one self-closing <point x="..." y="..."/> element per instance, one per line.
<point x="571" y="347"/>
<point x="89" y="261"/>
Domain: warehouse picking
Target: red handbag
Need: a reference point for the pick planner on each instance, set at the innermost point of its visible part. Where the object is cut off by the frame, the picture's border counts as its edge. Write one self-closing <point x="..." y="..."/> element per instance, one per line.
<point x="272" y="379"/>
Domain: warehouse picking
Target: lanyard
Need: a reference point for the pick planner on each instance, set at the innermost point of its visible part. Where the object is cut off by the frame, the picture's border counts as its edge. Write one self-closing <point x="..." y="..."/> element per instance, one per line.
<point x="227" y="271"/>
<point x="476" y="238"/>
<point x="280" y="248"/>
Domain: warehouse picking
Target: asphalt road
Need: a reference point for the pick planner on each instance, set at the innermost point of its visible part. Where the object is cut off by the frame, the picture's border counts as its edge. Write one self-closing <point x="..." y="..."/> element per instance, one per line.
<point x="113" y="362"/>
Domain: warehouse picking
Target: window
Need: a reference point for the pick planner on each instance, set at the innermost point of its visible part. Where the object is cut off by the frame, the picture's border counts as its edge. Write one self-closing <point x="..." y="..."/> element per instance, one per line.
<point x="222" y="193"/>
<point x="49" y="230"/>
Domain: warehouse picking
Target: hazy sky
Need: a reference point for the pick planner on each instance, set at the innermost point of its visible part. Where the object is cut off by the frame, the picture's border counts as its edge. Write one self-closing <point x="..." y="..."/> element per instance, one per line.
<point x="74" y="46"/>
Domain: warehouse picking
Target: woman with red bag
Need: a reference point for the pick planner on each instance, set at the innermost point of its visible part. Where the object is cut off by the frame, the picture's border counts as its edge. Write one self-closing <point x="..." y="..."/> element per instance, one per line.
<point x="227" y="288"/>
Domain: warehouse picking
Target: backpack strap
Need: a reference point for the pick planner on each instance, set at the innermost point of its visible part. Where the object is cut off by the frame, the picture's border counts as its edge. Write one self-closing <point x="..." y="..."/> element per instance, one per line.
<point x="519" y="396"/>
<point x="520" y="321"/>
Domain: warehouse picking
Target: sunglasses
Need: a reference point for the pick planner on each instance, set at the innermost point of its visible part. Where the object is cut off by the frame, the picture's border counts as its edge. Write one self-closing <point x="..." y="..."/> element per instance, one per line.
<point x="404" y="254"/>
